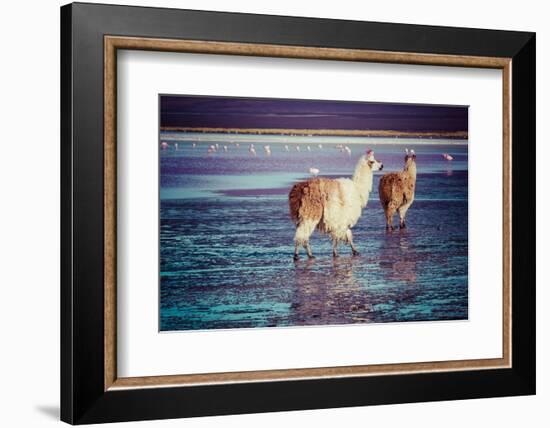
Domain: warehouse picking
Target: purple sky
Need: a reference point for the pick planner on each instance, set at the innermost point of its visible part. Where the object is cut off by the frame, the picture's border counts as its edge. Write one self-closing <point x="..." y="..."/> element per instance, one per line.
<point x="230" y="112"/>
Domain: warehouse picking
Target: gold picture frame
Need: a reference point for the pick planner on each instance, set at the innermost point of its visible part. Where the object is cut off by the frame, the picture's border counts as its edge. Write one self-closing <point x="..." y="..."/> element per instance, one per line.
<point x="114" y="43"/>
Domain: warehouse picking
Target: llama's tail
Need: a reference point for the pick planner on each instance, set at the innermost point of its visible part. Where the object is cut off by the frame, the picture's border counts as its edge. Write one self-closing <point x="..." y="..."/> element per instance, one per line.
<point x="295" y="201"/>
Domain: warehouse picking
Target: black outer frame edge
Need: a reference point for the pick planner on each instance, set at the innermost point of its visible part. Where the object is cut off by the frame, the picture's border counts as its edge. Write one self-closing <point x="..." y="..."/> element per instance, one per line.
<point x="524" y="213"/>
<point x="83" y="398"/>
<point x="66" y="306"/>
<point x="300" y="31"/>
<point x="166" y="403"/>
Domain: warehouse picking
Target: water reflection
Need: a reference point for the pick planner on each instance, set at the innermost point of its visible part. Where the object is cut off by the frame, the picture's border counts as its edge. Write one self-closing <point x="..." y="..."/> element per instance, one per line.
<point x="330" y="289"/>
<point x="398" y="257"/>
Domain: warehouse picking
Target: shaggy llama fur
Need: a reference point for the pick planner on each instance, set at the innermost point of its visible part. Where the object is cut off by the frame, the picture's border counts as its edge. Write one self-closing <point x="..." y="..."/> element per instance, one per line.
<point x="396" y="191"/>
<point x="333" y="206"/>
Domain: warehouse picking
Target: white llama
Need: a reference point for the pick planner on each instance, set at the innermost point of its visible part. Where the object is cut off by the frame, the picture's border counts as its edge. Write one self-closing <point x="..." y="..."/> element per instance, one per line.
<point x="331" y="205"/>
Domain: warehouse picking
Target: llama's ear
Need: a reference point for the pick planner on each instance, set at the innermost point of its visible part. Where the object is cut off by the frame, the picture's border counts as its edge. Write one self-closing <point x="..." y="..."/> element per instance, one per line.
<point x="370" y="155"/>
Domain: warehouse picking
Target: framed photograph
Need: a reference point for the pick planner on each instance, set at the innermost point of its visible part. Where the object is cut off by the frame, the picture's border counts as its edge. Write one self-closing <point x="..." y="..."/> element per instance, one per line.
<point x="266" y="213"/>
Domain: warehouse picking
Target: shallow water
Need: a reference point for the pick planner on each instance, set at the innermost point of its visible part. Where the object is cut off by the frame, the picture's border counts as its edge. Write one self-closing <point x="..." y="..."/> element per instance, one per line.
<point x="226" y="240"/>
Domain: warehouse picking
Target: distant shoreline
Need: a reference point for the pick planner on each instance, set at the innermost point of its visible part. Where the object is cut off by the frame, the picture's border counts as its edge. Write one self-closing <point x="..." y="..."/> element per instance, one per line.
<point x="454" y="135"/>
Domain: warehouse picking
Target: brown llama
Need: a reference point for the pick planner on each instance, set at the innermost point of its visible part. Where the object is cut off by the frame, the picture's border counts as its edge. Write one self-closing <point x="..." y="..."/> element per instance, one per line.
<point x="396" y="191"/>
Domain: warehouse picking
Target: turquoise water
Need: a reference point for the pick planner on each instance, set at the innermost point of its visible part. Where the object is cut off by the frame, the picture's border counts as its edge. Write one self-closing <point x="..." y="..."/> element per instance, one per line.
<point x="226" y="238"/>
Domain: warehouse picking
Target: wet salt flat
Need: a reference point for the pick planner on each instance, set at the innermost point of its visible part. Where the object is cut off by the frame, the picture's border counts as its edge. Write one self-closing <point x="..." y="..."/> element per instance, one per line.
<point x="226" y="237"/>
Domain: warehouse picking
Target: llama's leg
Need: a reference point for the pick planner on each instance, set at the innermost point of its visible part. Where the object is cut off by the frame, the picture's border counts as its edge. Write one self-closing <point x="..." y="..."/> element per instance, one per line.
<point x="390" y="211"/>
<point x="349" y="238"/>
<point x="334" y="247"/>
<point x="308" y="250"/>
<point x="296" y="250"/>
<point x="303" y="232"/>
<point x="402" y="213"/>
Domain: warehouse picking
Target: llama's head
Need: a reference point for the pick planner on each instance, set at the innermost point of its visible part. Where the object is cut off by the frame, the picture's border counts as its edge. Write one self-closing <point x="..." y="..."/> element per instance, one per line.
<point x="364" y="169"/>
<point x="410" y="158"/>
<point x="410" y="162"/>
<point x="369" y="161"/>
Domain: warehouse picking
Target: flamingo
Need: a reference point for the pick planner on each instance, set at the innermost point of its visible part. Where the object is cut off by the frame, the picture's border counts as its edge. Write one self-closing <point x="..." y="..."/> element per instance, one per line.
<point x="211" y="149"/>
<point x="176" y="146"/>
<point x="286" y="147"/>
<point x="347" y="150"/>
<point x="252" y="150"/>
<point x="297" y="148"/>
<point x="164" y="145"/>
<point x="224" y="148"/>
<point x="267" y="150"/>
<point x="447" y="157"/>
<point x="314" y="171"/>
<point x="194" y="145"/>
<point x="320" y="146"/>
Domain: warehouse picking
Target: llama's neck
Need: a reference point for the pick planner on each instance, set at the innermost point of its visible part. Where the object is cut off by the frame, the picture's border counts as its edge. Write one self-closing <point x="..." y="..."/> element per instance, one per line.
<point x="411" y="171"/>
<point x="362" y="178"/>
